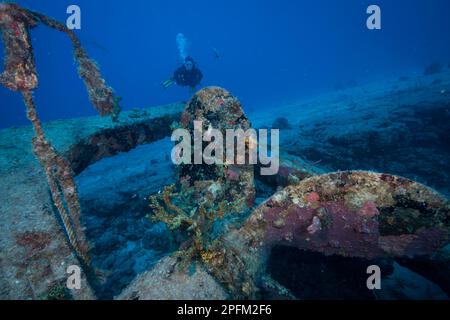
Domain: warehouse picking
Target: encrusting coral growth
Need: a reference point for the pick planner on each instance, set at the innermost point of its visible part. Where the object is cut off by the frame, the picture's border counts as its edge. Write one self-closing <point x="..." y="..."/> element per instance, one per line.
<point x="349" y="214"/>
<point x="20" y="75"/>
<point x="207" y="192"/>
<point x="188" y="210"/>
<point x="217" y="109"/>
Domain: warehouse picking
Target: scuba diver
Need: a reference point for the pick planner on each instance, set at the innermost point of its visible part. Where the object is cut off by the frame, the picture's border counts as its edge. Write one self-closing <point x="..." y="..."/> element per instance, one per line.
<point x="188" y="75"/>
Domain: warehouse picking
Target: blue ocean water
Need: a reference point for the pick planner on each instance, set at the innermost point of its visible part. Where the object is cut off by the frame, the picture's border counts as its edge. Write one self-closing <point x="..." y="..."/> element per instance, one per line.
<point x="270" y="51"/>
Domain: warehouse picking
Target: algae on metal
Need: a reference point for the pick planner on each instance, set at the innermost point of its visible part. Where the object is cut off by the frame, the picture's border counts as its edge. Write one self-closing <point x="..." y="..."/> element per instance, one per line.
<point x="341" y="213"/>
<point x="20" y="75"/>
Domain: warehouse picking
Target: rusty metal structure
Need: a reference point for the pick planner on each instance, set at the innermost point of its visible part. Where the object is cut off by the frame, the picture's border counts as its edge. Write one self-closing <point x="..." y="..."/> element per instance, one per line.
<point x="20" y="75"/>
<point x="350" y="214"/>
<point x="217" y="108"/>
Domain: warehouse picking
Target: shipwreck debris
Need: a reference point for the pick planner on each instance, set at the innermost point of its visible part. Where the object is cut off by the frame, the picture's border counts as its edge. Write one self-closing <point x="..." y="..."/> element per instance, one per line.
<point x="350" y="214"/>
<point x="205" y="193"/>
<point x="20" y="75"/>
<point x="217" y="108"/>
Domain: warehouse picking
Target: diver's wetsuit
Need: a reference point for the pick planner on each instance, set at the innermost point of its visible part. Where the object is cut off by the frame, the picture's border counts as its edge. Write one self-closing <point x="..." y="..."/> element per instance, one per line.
<point x="187" y="78"/>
